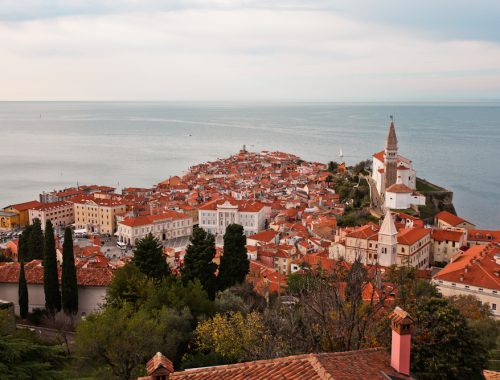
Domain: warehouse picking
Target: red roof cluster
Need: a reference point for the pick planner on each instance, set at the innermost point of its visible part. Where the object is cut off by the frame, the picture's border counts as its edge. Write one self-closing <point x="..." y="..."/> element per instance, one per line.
<point x="9" y="273"/>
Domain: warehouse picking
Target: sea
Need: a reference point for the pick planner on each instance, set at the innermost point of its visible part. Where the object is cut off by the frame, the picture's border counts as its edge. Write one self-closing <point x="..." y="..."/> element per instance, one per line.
<point x="52" y="145"/>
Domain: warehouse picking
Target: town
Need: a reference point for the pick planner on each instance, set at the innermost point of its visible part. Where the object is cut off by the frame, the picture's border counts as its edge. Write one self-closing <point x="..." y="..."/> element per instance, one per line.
<point x="296" y="217"/>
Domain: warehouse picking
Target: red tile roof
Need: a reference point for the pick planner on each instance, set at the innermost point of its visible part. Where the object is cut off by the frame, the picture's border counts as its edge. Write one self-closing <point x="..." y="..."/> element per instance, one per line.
<point x="476" y="266"/>
<point x="368" y="231"/>
<point x="150" y="219"/>
<point x="362" y="364"/>
<point x="52" y="205"/>
<point x="9" y="272"/>
<point x="449" y="218"/>
<point x="25" y="206"/>
<point x="380" y="156"/>
<point x="484" y="235"/>
<point x="158" y="361"/>
<point x="491" y="375"/>
<point x="409" y="236"/>
<point x="398" y="188"/>
<point x="445" y="235"/>
<point x="265" y="236"/>
<point x="243" y="205"/>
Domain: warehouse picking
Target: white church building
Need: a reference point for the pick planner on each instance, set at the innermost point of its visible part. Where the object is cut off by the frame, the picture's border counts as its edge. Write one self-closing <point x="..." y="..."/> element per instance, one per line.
<point x="394" y="176"/>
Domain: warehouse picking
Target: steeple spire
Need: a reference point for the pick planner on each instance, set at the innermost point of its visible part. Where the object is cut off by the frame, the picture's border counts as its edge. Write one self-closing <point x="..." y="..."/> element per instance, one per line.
<point x="392" y="140"/>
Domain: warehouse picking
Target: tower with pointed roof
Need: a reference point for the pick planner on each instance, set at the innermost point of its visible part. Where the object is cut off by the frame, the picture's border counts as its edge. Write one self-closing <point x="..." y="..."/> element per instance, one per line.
<point x="387" y="241"/>
<point x="391" y="157"/>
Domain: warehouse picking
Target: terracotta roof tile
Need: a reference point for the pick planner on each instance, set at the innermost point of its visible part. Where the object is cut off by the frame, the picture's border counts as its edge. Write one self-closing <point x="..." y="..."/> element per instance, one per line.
<point x="25" y="206"/>
<point x="449" y="218"/>
<point x="9" y="272"/>
<point x="476" y="266"/>
<point x="445" y="235"/>
<point x="363" y="364"/>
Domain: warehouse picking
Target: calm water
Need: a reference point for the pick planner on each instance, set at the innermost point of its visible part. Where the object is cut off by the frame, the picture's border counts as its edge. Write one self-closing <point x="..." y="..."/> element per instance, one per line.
<point x="47" y="145"/>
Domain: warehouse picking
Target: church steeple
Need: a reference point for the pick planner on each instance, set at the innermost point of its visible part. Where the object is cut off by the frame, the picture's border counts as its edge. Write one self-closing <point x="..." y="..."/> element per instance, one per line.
<point x="391" y="156"/>
<point x="392" y="140"/>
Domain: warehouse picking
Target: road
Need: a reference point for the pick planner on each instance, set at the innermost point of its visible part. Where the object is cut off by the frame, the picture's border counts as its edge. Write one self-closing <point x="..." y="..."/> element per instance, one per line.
<point x="376" y="201"/>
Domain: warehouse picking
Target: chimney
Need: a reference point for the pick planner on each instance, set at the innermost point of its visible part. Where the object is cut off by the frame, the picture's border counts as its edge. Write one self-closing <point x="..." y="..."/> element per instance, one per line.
<point x="401" y="324"/>
<point x="159" y="367"/>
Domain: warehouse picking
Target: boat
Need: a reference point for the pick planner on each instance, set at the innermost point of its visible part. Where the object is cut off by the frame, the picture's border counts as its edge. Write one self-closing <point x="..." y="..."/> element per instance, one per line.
<point x="340" y="153"/>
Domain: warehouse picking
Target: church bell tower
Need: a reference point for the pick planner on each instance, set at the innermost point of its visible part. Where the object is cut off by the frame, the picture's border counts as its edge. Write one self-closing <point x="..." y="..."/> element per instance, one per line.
<point x="391" y="156"/>
<point x="387" y="242"/>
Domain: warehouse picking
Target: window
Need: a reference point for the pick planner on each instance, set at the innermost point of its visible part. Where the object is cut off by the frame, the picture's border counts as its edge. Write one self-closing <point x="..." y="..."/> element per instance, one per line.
<point x="493" y="306"/>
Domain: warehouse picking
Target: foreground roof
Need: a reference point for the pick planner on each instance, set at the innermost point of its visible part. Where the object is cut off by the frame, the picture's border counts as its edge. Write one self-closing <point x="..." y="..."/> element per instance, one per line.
<point x="363" y="364"/>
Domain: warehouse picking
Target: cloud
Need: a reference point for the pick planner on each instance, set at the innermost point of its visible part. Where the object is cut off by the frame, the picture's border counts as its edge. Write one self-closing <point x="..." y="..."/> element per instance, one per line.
<point x="242" y="50"/>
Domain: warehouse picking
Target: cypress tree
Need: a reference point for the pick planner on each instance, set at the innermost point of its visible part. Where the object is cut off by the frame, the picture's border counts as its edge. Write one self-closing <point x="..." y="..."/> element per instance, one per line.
<point x="234" y="264"/>
<point x="69" y="286"/>
<point x="198" y="261"/>
<point x="35" y="242"/>
<point x="23" y="293"/>
<point x="148" y="256"/>
<point x="50" y="275"/>
<point x="23" y="249"/>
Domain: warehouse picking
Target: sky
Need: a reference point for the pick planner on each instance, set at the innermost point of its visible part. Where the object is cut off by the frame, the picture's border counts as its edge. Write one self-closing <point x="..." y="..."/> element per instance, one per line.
<point x="262" y="50"/>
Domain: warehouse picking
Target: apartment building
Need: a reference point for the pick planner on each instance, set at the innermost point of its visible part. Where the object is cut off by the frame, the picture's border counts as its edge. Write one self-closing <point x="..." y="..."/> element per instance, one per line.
<point x="475" y="272"/>
<point x="216" y="215"/>
<point x="61" y="214"/>
<point x="97" y="215"/>
<point x="165" y="226"/>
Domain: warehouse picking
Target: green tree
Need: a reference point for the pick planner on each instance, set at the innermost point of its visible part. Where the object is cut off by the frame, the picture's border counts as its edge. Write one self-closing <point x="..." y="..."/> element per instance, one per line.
<point x="35" y="241"/>
<point x="131" y="286"/>
<point x="25" y="357"/>
<point x="443" y="345"/>
<point x="470" y="307"/>
<point x="332" y="166"/>
<point x="128" y="285"/>
<point x="198" y="261"/>
<point x="148" y="256"/>
<point x="23" y="293"/>
<point x="234" y="264"/>
<point x="50" y="274"/>
<point x="174" y="294"/>
<point x="23" y="245"/>
<point x="233" y="336"/>
<point x="69" y="286"/>
<point x="125" y="339"/>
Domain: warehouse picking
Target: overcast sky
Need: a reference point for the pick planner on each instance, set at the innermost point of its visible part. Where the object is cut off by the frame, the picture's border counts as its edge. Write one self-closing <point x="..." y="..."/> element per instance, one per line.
<point x="305" y="50"/>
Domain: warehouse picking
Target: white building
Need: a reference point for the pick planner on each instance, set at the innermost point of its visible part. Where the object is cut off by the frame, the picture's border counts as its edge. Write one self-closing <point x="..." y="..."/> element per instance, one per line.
<point x="92" y="285"/>
<point x="475" y="272"/>
<point x="400" y="197"/>
<point x="165" y="226"/>
<point x="61" y="214"/>
<point x="386" y="245"/>
<point x="394" y="176"/>
<point x="216" y="215"/>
